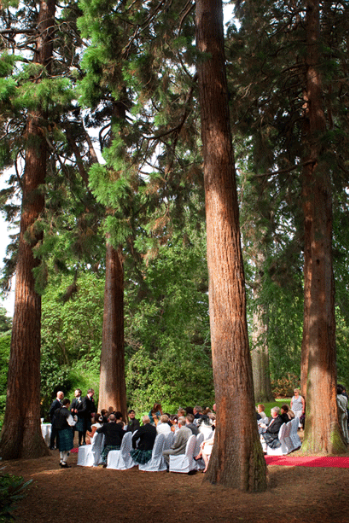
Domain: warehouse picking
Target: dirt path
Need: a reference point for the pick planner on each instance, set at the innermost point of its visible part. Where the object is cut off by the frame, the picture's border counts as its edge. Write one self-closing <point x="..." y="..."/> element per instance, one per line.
<point x="79" y="494"/>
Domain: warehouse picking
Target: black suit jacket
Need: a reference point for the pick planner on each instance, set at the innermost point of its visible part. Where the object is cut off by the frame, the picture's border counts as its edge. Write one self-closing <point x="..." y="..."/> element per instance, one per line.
<point x="146" y="436"/>
<point x="88" y="407"/>
<point x="274" y="427"/>
<point x="56" y="404"/>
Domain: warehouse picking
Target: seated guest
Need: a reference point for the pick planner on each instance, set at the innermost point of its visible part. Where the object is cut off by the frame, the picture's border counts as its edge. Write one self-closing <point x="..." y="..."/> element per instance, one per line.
<point x="190" y="425"/>
<point x="285" y="413"/>
<point x="189" y="410"/>
<point x="180" y="442"/>
<point x="104" y="414"/>
<point x="260" y="410"/>
<point x="181" y="412"/>
<point x="197" y="412"/>
<point x="174" y="422"/>
<point x="206" y="411"/>
<point x="113" y="433"/>
<point x="97" y="421"/>
<point x="163" y="427"/>
<point x="133" y="423"/>
<point x="143" y="442"/>
<point x="270" y="433"/>
<point x="205" y="451"/>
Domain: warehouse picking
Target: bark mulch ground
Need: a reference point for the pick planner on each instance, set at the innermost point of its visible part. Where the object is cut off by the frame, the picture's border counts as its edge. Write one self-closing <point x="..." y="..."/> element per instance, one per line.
<point x="79" y="494"/>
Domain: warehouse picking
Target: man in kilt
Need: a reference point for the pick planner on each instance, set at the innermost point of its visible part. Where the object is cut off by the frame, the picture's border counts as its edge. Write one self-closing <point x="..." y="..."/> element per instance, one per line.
<point x="143" y="442"/>
<point x="113" y="433"/>
<point x="64" y="422"/>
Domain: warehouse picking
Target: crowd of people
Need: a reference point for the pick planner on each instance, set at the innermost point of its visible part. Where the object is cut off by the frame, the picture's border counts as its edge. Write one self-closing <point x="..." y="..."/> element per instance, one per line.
<point x="80" y="415"/>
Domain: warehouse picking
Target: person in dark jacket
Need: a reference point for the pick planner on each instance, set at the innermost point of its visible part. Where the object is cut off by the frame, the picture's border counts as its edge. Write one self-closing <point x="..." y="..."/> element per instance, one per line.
<point x="143" y="442"/>
<point x="113" y="433"/>
<point x="270" y="434"/>
<point x="87" y="411"/>
<point x="56" y="404"/>
<point x="76" y="410"/>
<point x="64" y="423"/>
<point x="133" y="423"/>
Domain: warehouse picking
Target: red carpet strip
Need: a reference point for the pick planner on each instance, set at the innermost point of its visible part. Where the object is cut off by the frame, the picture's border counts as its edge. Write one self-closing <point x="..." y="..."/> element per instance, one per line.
<point x="309" y="461"/>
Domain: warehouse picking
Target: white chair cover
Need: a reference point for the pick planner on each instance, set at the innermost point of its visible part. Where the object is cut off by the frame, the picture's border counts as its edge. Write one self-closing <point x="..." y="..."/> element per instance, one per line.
<point x="90" y="455"/>
<point x="200" y="464"/>
<point x="206" y="430"/>
<point x="121" y="459"/>
<point x="169" y="439"/>
<point x="281" y="450"/>
<point x="157" y="462"/>
<point x="296" y="441"/>
<point x="184" y="462"/>
<point x="287" y="438"/>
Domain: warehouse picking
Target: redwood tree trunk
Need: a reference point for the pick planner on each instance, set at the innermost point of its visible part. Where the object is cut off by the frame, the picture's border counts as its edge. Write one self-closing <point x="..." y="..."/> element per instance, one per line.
<point x="112" y="387"/>
<point x="322" y="430"/>
<point x="21" y="433"/>
<point x="260" y="359"/>
<point x="237" y="459"/>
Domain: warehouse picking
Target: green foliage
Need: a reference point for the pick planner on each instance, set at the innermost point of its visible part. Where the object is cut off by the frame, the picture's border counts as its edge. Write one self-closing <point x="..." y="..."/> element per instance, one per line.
<point x="12" y="489"/>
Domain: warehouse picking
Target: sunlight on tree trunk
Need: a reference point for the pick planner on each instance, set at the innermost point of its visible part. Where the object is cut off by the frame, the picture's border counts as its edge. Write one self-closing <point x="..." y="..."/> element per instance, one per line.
<point x="237" y="459"/>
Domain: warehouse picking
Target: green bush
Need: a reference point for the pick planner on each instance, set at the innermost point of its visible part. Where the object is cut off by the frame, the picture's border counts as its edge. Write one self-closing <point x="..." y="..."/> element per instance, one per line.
<point x="12" y="489"/>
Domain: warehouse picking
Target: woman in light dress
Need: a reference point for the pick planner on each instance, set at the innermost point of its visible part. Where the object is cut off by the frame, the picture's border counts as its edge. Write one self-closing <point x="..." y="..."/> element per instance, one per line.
<point x="298" y="404"/>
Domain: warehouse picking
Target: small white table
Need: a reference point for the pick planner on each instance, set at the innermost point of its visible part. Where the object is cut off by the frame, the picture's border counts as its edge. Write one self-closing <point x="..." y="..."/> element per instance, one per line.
<point x="46" y="432"/>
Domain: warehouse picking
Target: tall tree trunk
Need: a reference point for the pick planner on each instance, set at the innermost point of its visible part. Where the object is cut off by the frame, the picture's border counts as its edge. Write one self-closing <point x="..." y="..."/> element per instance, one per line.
<point x="237" y="459"/>
<point x="21" y="434"/>
<point x="112" y="386"/>
<point x="322" y="430"/>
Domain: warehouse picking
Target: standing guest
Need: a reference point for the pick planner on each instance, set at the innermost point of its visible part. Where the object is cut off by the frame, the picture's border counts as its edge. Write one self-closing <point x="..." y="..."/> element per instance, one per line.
<point x="214" y="407"/>
<point x="56" y="404"/>
<point x="65" y="422"/>
<point x="189" y="410"/>
<point x="143" y="442"/>
<point x="163" y="427"/>
<point x="75" y="409"/>
<point x="155" y="413"/>
<point x="190" y="425"/>
<point x="88" y="410"/>
<point x="342" y="403"/>
<point x="298" y="404"/>
<point x="181" y="412"/>
<point x="113" y="433"/>
<point x="180" y="442"/>
<point x="133" y="423"/>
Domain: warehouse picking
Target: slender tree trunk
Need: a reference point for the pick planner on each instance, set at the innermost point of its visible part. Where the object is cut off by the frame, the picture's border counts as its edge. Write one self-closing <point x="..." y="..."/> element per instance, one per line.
<point x="237" y="459"/>
<point x="260" y="359"/>
<point x="21" y="434"/>
<point x="322" y="430"/>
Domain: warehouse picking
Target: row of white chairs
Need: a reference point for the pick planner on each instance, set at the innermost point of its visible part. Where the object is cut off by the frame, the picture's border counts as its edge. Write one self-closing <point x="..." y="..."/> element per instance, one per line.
<point x="288" y="438"/>
<point x="90" y="455"/>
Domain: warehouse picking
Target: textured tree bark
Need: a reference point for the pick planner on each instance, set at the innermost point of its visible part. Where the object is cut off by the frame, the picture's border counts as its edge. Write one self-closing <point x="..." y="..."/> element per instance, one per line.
<point x="112" y="387"/>
<point x="237" y="459"/>
<point x="260" y="360"/>
<point x="21" y="434"/>
<point x="322" y="430"/>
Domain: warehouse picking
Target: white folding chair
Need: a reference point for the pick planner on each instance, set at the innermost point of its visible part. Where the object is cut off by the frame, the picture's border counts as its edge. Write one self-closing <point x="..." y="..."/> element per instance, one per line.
<point x="296" y="441"/>
<point x="200" y="464"/>
<point x="90" y="455"/>
<point x="121" y="459"/>
<point x="184" y="462"/>
<point x="169" y="439"/>
<point x="280" y="451"/>
<point x="157" y="462"/>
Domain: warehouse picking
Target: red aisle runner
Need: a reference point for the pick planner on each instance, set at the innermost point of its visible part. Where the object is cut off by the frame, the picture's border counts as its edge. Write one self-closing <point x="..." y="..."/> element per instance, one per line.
<point x="309" y="461"/>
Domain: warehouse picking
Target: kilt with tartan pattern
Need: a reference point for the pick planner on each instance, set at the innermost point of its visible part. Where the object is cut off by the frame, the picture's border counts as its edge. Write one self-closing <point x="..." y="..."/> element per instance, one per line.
<point x="66" y="438"/>
<point x="141" y="456"/>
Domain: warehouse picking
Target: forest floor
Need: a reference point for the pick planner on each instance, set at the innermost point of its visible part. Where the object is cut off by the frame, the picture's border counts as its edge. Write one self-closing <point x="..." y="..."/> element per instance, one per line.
<point x="80" y="494"/>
